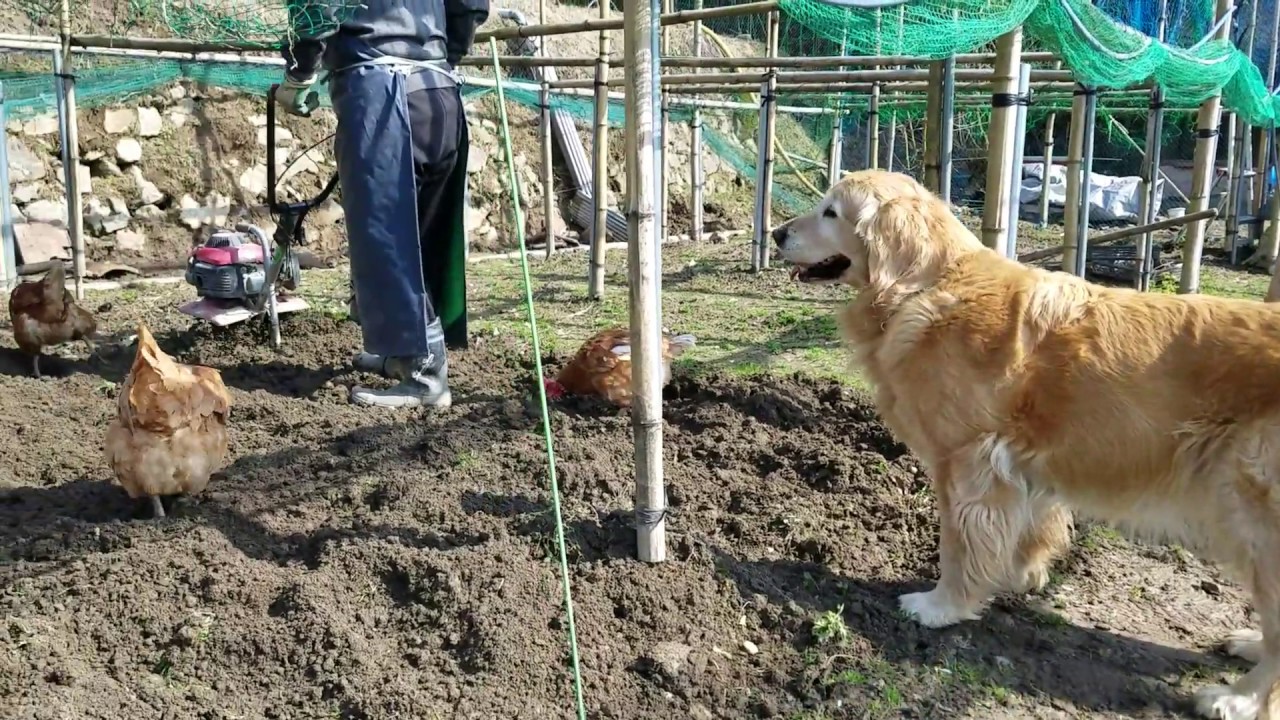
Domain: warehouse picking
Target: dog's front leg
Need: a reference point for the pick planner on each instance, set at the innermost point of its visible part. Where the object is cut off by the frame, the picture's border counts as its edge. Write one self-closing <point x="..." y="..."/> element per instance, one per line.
<point x="983" y="515"/>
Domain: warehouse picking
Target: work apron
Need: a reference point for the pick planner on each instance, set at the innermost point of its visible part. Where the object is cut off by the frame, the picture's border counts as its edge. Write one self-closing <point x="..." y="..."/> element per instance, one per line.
<point x="373" y="147"/>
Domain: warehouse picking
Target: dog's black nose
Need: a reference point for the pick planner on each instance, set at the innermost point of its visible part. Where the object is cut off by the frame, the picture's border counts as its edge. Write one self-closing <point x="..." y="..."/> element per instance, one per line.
<point x="780" y="234"/>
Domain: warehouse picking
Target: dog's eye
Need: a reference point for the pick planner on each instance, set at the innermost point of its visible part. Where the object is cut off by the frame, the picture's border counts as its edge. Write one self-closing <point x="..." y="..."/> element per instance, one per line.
<point x="829" y="212"/>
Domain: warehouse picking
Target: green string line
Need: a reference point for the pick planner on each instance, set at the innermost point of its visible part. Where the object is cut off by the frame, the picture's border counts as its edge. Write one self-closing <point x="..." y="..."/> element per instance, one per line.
<point x="542" y="390"/>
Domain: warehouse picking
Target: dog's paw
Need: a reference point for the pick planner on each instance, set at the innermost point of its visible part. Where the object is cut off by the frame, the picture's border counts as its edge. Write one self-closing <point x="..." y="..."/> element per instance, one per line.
<point x="1220" y="702"/>
<point x="933" y="609"/>
<point x="1245" y="644"/>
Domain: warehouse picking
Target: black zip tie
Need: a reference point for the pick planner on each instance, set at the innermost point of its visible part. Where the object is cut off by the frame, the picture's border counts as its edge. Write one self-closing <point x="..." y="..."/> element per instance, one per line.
<point x="1084" y="91"/>
<point x="1206" y="133"/>
<point x="65" y="75"/>
<point x="1003" y="100"/>
<point x="1156" y="104"/>
<point x="650" y="518"/>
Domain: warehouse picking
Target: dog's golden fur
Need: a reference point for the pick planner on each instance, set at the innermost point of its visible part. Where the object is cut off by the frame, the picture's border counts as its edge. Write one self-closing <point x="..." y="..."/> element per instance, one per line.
<point x="1032" y="395"/>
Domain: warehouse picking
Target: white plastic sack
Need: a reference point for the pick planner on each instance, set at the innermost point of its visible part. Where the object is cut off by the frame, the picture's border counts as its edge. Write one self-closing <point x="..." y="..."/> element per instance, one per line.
<point x="1110" y="198"/>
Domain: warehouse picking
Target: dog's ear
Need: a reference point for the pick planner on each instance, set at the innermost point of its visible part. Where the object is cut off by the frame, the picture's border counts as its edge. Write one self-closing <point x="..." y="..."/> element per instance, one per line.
<point x="905" y="246"/>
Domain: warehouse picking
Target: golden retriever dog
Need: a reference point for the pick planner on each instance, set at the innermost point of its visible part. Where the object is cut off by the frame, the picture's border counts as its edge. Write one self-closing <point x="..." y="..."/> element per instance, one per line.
<point x="1031" y="396"/>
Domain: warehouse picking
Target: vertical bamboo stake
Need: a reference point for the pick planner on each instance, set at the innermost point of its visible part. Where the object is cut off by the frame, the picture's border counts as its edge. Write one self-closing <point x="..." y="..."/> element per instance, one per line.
<point x="8" y="257"/>
<point x="1019" y="149"/>
<point x="664" y="170"/>
<point x="1238" y="188"/>
<point x="1004" y="86"/>
<point x="1086" y="181"/>
<point x="1071" y="208"/>
<point x="932" y="119"/>
<point x="1048" y="161"/>
<point x="768" y="118"/>
<point x="891" y="138"/>
<point x="946" y="128"/>
<point x="639" y="28"/>
<point x="1269" y="246"/>
<point x="873" y="112"/>
<point x="697" y="179"/>
<point x="71" y="142"/>
<point x="835" y="156"/>
<point x="548" y="170"/>
<point x="1207" y="123"/>
<point x="1144" y="259"/>
<point x="600" y="181"/>
<point x="1262" y="144"/>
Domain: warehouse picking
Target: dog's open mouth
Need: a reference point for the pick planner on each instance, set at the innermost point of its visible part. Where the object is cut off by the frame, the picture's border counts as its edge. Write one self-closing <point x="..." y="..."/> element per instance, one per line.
<point x="830" y="269"/>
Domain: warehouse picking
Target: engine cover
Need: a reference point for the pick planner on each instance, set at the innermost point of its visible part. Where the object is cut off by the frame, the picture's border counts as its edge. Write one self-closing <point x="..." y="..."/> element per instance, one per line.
<point x="232" y="266"/>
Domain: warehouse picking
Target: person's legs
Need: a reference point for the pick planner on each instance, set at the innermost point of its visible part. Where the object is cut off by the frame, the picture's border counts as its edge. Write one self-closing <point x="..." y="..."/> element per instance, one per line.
<point x="436" y="118"/>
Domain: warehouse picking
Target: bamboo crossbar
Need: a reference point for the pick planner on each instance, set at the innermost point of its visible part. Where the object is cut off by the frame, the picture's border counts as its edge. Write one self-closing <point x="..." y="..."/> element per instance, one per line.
<point x="1122" y="233"/>
<point x="596" y="24"/>
<point x="848" y="76"/>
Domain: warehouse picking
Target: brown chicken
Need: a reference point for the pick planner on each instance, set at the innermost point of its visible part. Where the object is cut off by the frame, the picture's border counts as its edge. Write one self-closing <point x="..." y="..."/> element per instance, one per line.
<point x="171" y="431"/>
<point x="603" y="366"/>
<point x="44" y="314"/>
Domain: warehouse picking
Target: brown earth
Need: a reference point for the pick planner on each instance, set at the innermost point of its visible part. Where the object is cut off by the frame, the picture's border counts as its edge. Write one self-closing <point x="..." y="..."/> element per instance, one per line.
<point x="356" y="565"/>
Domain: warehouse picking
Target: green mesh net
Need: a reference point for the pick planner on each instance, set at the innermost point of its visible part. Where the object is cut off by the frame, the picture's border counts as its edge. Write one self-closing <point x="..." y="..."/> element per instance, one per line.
<point x="1101" y="51"/>
<point x="246" y="23"/>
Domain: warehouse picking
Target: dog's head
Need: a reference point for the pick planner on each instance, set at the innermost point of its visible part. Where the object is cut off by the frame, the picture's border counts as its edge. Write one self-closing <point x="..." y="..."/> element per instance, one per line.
<point x="875" y="229"/>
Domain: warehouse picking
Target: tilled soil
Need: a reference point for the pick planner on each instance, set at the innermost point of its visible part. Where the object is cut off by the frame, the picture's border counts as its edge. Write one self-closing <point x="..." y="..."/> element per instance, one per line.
<point x="349" y="564"/>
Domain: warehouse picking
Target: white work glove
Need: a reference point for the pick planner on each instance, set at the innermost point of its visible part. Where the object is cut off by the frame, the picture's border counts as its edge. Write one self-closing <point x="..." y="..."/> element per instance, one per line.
<point x="298" y="97"/>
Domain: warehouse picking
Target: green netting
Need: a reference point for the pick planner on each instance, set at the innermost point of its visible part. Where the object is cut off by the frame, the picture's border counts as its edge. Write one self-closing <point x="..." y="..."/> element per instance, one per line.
<point x="1100" y="51"/>
<point x="267" y="23"/>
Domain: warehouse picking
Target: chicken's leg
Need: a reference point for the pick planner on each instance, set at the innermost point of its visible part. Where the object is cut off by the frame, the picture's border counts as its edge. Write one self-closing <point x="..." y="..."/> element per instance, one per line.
<point x="157" y="507"/>
<point x="35" y="364"/>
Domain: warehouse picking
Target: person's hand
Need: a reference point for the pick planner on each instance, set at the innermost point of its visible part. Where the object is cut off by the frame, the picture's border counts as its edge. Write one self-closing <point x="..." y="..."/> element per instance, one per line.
<point x="298" y="97"/>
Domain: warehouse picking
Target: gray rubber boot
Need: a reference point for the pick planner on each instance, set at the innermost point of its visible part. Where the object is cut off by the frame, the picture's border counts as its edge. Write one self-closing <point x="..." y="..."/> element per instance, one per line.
<point x="368" y="362"/>
<point x="424" y="381"/>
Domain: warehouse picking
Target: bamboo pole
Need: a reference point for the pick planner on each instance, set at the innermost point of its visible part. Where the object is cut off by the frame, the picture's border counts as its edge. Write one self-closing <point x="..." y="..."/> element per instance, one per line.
<point x="1262" y="144"/>
<point x="946" y="128"/>
<point x="891" y="137"/>
<point x="71" y="145"/>
<point x="1048" y="163"/>
<point x="221" y="51"/>
<point x="600" y="179"/>
<point x="548" y="170"/>
<point x="995" y="216"/>
<point x="1202" y="172"/>
<point x="838" y="61"/>
<point x="1071" y="207"/>
<point x="664" y="167"/>
<point x="1019" y="148"/>
<point x="697" y="178"/>
<point x="8" y="256"/>
<point x="1122" y="233"/>
<point x="1238" y="187"/>
<point x="1269" y="244"/>
<point x="882" y="76"/>
<point x="1086" y="181"/>
<point x="675" y="18"/>
<point x="873" y="110"/>
<point x="932" y="119"/>
<point x="1144" y="259"/>
<point x="835" y="155"/>
<point x="764" y="171"/>
<point x="644" y="239"/>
